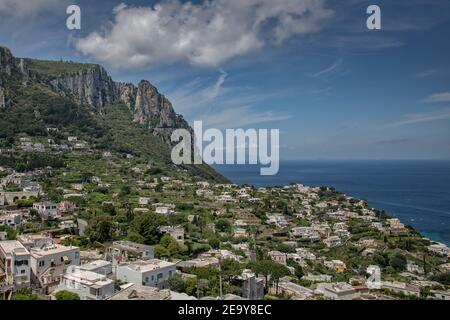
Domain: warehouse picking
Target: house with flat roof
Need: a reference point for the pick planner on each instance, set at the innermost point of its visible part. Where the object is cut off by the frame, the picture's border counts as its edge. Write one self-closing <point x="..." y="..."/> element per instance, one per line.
<point x="278" y="257"/>
<point x="47" y="210"/>
<point x="175" y="232"/>
<point x="295" y="291"/>
<point x="136" y="292"/>
<point x="332" y="241"/>
<point x="49" y="264"/>
<point x="12" y="220"/>
<point x="87" y="284"/>
<point x="34" y="240"/>
<point x="401" y="287"/>
<point x="207" y="262"/>
<point x="336" y="265"/>
<point x="152" y="273"/>
<point x="337" y="291"/>
<point x="123" y="251"/>
<point x="14" y="265"/>
<point x="98" y="266"/>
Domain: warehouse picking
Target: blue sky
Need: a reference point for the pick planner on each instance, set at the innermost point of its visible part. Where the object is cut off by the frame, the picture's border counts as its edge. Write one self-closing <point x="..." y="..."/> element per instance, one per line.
<point x="335" y="89"/>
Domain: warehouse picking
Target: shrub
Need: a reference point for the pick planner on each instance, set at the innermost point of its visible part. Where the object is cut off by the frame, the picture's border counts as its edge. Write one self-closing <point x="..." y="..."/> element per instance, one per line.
<point x="66" y="295"/>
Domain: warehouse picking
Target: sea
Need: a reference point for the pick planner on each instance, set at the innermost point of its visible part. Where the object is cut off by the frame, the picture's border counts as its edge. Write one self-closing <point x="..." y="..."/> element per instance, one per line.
<point x="416" y="192"/>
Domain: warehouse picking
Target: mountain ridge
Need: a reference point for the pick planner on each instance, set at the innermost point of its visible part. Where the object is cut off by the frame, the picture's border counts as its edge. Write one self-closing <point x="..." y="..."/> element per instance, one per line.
<point x="91" y="84"/>
<point x="38" y="94"/>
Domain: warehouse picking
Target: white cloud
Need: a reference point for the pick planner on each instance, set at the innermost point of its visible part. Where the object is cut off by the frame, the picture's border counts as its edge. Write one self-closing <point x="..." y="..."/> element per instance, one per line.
<point x="426" y="74"/>
<point x="205" y="34"/>
<point x="423" y="117"/>
<point x="22" y="8"/>
<point x="240" y="117"/>
<point x="438" y="97"/>
<point x="221" y="105"/>
<point x="328" y="70"/>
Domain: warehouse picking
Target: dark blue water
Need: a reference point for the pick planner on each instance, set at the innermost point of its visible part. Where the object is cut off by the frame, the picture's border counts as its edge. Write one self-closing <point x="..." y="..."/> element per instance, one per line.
<point x="417" y="192"/>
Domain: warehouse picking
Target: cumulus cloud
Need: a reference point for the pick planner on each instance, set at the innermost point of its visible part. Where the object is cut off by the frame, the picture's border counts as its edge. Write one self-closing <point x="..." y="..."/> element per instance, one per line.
<point x="23" y="8"/>
<point x="205" y="34"/>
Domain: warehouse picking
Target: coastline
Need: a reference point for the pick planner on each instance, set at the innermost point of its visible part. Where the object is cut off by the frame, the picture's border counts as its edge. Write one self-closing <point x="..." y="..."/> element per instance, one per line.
<point x="413" y="191"/>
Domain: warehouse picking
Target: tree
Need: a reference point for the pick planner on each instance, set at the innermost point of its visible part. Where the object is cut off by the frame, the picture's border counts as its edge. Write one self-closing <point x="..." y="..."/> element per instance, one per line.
<point x="67" y="295"/>
<point x="101" y="229"/>
<point x="298" y="269"/>
<point x="277" y="271"/>
<point x="263" y="268"/>
<point x="397" y="261"/>
<point x="271" y="269"/>
<point x="214" y="242"/>
<point x="147" y="225"/>
<point x="24" y="294"/>
<point x="230" y="268"/>
<point x="223" y="225"/>
<point x="443" y="278"/>
<point x="161" y="252"/>
<point x="176" y="284"/>
<point x="125" y="190"/>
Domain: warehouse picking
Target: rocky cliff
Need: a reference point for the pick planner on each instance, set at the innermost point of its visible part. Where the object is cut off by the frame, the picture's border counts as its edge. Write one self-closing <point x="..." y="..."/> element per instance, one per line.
<point x="7" y="61"/>
<point x="90" y="84"/>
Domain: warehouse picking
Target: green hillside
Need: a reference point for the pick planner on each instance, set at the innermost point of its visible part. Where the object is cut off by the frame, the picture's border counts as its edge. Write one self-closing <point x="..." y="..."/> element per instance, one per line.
<point x="36" y="109"/>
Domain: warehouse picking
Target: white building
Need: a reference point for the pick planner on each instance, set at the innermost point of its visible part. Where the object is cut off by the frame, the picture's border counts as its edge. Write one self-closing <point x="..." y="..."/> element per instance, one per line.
<point x="252" y="287"/>
<point x="164" y="210"/>
<point x="143" y="201"/>
<point x="401" y="287"/>
<point x="240" y="233"/>
<point x="34" y="240"/>
<point x="98" y="266"/>
<point x="14" y="265"/>
<point x="332" y="241"/>
<point x="123" y="251"/>
<point x="152" y="273"/>
<point x="47" y="210"/>
<point x="439" y="248"/>
<point x="175" y="232"/>
<point x="295" y="291"/>
<point x="337" y="291"/>
<point x="317" y="278"/>
<point x="48" y="264"/>
<point x="13" y="220"/>
<point x="278" y="257"/>
<point x="87" y="284"/>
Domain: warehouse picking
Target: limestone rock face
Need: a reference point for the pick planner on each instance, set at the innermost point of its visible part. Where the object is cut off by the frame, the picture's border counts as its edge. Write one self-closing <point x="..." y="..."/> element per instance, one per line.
<point x="2" y="99"/>
<point x="7" y="61"/>
<point x="126" y="93"/>
<point x="92" y="86"/>
<point x="155" y="110"/>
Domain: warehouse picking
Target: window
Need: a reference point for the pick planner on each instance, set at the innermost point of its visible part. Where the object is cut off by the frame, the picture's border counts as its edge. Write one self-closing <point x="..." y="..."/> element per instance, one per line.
<point x="22" y="271"/>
